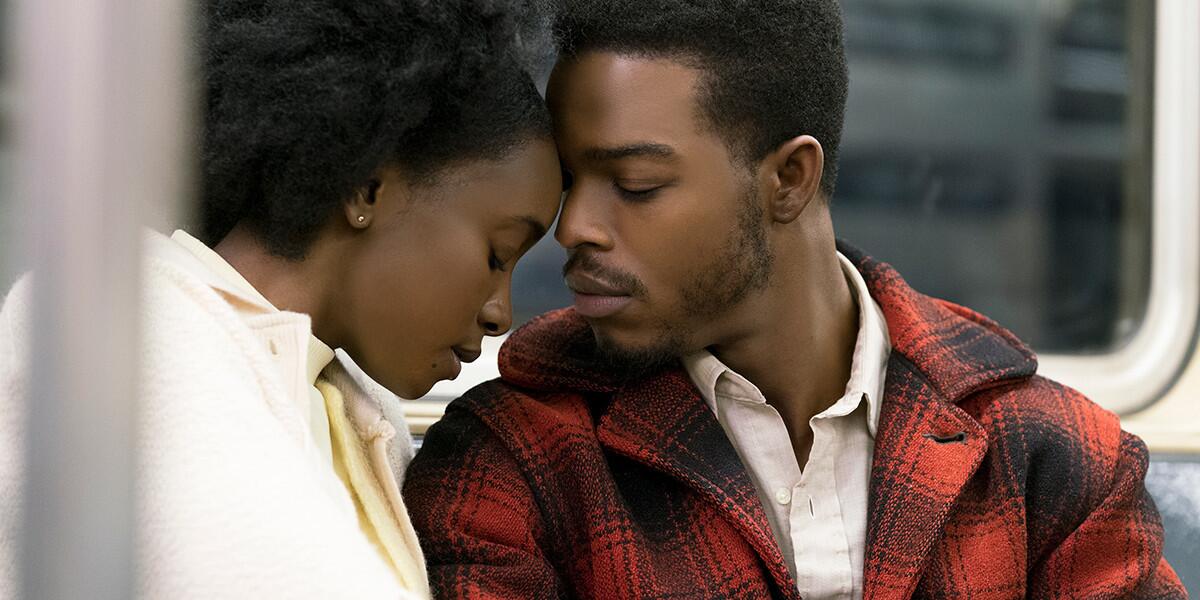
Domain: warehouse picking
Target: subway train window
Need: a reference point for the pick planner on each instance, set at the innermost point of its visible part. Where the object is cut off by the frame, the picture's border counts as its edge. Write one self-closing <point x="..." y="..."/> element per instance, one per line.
<point x="998" y="154"/>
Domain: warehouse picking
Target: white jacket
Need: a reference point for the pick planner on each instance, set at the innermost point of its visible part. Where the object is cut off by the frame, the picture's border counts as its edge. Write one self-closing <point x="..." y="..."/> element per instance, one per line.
<point x="230" y="504"/>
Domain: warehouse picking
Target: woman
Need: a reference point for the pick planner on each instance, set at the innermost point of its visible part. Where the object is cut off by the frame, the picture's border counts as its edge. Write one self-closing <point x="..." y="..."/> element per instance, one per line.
<point x="372" y="171"/>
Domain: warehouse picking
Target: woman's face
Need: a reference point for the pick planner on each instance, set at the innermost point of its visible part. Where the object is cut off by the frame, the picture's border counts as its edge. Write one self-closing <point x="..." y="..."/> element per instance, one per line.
<point x="431" y="274"/>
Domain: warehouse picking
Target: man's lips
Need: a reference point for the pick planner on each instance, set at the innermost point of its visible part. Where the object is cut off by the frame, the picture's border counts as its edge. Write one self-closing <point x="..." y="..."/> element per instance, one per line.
<point x="595" y="307"/>
<point x="582" y="283"/>
<point x="595" y="298"/>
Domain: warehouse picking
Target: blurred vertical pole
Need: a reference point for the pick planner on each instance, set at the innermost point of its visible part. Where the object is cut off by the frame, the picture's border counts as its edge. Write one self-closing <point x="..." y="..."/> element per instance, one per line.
<point x="100" y="117"/>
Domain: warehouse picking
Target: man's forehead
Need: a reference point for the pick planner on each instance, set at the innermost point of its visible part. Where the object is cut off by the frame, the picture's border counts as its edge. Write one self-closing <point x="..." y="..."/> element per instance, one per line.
<point x="624" y="97"/>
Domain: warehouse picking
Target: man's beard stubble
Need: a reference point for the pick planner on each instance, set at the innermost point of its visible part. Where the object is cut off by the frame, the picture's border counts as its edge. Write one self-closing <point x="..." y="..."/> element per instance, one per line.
<point x="743" y="267"/>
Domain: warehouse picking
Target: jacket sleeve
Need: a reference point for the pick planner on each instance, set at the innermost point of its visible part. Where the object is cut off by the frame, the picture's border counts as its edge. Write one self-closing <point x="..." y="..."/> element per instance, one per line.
<point x="475" y="513"/>
<point x="1116" y="551"/>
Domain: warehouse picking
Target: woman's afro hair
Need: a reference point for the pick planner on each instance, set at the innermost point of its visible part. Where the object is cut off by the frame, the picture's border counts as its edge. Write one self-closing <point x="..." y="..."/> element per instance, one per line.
<point x="307" y="99"/>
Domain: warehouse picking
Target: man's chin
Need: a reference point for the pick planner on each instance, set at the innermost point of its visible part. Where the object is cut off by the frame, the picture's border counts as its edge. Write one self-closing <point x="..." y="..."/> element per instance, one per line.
<point x="634" y="359"/>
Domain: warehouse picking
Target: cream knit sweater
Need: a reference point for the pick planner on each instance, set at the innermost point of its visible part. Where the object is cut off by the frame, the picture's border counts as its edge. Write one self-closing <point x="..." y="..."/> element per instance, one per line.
<point x="230" y="504"/>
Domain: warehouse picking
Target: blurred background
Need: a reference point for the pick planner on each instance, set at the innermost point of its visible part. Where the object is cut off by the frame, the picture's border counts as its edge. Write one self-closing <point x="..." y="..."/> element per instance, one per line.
<point x="1020" y="157"/>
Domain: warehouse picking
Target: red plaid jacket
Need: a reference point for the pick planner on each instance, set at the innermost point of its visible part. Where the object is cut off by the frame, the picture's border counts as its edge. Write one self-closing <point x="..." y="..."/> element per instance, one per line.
<point x="988" y="481"/>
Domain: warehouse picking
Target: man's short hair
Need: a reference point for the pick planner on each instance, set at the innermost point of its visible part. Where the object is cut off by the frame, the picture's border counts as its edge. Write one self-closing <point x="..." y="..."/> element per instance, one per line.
<point x="773" y="69"/>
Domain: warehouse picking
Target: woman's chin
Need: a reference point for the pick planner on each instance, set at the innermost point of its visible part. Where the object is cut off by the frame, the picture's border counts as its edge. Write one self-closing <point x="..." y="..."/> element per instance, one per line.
<point x="412" y="384"/>
<point x="409" y="388"/>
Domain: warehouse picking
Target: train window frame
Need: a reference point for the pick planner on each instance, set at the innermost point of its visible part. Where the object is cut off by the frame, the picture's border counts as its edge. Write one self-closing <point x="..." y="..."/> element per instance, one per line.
<point x="1134" y="375"/>
<point x="1137" y="373"/>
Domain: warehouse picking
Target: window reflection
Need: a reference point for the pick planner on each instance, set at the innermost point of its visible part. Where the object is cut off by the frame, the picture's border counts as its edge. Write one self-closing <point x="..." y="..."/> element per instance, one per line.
<point x="1009" y="173"/>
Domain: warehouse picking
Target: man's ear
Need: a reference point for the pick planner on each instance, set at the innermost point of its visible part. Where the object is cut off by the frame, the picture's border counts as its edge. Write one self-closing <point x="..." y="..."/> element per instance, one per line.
<point x="795" y="168"/>
<point x="360" y="207"/>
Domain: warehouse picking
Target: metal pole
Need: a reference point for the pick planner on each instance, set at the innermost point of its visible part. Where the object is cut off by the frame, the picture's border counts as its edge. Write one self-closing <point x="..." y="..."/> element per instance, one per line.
<point x="99" y="121"/>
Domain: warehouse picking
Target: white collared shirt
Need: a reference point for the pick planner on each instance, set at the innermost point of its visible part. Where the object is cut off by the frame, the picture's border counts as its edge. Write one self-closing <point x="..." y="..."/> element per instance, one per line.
<point x="819" y="513"/>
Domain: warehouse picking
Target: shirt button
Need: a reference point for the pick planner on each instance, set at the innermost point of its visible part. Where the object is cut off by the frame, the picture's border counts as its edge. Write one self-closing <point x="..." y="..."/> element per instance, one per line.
<point x="783" y="495"/>
<point x="273" y="347"/>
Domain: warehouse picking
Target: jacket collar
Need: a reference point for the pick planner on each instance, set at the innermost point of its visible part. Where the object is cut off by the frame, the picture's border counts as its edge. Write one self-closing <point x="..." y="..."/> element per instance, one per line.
<point x="188" y="253"/>
<point x="956" y="350"/>
<point x="660" y="421"/>
<point x="926" y="447"/>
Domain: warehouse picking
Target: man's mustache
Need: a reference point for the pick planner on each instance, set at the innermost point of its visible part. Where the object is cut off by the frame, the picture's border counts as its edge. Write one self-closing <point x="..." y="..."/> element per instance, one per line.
<point x="586" y="263"/>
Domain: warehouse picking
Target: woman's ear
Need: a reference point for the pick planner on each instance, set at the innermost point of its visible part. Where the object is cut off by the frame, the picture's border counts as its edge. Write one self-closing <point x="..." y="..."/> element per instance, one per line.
<point x="795" y="167"/>
<point x="360" y="208"/>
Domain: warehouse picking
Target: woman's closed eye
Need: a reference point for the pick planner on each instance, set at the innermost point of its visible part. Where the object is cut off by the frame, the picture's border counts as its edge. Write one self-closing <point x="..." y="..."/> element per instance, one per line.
<point x="495" y="263"/>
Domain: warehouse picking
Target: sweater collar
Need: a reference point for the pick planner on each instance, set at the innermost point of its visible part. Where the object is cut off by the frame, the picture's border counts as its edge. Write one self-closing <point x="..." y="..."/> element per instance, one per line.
<point x="204" y="263"/>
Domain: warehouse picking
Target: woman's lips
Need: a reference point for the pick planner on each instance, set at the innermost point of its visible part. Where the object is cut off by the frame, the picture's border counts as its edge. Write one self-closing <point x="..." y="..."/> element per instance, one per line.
<point x="460" y="355"/>
<point x="596" y="306"/>
<point x="455" y="365"/>
<point x="466" y="355"/>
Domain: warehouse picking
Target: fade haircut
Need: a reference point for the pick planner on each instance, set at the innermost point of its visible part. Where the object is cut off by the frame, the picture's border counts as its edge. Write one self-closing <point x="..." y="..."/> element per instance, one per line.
<point x="771" y="69"/>
<point x="306" y="100"/>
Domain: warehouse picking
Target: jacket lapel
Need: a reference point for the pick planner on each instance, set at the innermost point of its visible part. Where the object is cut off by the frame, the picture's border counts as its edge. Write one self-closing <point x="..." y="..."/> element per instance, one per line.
<point x="926" y="449"/>
<point x="663" y="423"/>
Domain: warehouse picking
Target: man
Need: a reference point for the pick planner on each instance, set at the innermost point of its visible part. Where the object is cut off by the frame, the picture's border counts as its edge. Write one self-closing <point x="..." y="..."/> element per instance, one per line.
<point x="737" y="406"/>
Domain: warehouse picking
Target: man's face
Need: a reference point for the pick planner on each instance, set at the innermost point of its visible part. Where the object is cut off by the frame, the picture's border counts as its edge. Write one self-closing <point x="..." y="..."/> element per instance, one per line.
<point x="665" y="231"/>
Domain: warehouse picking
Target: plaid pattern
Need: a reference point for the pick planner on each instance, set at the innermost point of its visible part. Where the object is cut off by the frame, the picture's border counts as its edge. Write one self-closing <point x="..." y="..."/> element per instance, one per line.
<point x="988" y="481"/>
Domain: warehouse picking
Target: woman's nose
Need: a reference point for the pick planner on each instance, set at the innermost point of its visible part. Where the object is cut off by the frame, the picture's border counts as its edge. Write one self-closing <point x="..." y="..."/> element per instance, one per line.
<point x="496" y="315"/>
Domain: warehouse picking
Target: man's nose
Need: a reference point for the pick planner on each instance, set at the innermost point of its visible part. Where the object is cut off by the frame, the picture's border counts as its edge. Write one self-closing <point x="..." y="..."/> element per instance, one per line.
<point x="582" y="221"/>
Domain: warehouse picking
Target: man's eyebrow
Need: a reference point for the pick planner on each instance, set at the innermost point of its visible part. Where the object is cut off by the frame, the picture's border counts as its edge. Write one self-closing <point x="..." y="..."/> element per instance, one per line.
<point x="641" y="149"/>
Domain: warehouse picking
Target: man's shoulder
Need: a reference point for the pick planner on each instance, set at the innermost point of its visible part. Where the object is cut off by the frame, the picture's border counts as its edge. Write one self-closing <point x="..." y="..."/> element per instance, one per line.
<point x="1048" y="424"/>
<point x="983" y="368"/>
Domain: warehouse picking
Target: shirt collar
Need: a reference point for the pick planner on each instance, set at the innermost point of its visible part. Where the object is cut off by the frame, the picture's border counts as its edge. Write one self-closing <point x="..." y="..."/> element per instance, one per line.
<point x="867" y="369"/>
<point x="221" y="276"/>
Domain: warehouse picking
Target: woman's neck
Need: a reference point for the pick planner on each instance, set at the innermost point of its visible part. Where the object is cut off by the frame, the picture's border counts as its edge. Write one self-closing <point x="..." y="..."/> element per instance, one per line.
<point x="294" y="285"/>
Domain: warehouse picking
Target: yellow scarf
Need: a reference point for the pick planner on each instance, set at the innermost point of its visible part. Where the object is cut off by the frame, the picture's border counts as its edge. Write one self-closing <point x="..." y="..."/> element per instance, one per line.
<point x="392" y="534"/>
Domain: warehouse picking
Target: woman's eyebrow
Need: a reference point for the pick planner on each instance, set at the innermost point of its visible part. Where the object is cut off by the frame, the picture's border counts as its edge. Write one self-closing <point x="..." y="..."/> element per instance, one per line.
<point x="536" y="229"/>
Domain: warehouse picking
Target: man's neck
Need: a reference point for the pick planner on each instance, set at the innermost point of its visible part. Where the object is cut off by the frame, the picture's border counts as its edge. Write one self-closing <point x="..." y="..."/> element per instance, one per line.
<point x="799" y="350"/>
